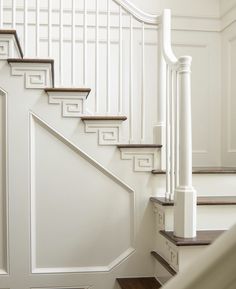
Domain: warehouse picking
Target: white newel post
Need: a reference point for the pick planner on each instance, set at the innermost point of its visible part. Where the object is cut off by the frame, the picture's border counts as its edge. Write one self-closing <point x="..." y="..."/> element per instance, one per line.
<point x="185" y="195"/>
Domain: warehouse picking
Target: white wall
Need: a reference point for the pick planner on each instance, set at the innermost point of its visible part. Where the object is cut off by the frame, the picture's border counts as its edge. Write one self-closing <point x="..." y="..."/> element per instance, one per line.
<point x="196" y="32"/>
<point x="208" y="33"/>
<point x="181" y="7"/>
<point x="228" y="82"/>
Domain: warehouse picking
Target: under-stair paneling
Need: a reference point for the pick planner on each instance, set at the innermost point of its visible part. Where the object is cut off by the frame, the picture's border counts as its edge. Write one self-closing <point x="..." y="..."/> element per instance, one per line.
<point x="229" y="96"/>
<point x="3" y="184"/>
<point x="206" y="85"/>
<point x="78" y="209"/>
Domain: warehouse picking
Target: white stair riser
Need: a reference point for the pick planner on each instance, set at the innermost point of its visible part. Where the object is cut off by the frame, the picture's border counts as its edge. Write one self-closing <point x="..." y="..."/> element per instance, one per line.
<point x="209" y="217"/>
<point x="215" y="184"/>
<point x="204" y="184"/>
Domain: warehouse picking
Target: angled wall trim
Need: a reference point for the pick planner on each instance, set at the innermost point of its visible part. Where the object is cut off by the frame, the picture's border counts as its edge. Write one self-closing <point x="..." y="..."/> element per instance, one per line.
<point x="61" y="267"/>
<point x="36" y="118"/>
<point x="107" y="268"/>
<point x="230" y="95"/>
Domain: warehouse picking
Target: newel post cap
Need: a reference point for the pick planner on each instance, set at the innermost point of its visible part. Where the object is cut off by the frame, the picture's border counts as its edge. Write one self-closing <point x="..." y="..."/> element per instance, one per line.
<point x="185" y="64"/>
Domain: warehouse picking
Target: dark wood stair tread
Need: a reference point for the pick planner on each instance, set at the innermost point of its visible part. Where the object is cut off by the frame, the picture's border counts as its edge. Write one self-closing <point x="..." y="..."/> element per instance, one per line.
<point x="201" y="201"/>
<point x="205" y="170"/>
<point x="139" y="283"/>
<point x="164" y="263"/>
<point x="103" y="117"/>
<point x="121" y="146"/>
<point x="203" y="238"/>
<point x="31" y="60"/>
<point x="13" y="32"/>
<point x="67" y="89"/>
<point x="214" y="170"/>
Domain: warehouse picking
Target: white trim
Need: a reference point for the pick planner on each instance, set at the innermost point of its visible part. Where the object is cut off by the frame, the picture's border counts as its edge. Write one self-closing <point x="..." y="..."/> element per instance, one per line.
<point x="36" y="75"/>
<point x="94" y="269"/>
<point x="137" y="13"/>
<point x="108" y="131"/>
<point x="73" y="104"/>
<point x="6" y="256"/>
<point x="143" y="159"/>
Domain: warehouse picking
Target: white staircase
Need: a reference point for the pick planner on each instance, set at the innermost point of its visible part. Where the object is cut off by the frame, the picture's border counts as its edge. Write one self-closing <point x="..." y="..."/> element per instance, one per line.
<point x="122" y="226"/>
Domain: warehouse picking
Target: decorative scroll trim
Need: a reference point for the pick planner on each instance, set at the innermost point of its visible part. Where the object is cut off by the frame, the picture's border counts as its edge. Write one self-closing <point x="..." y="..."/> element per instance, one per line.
<point x="73" y="104"/>
<point x="36" y="75"/>
<point x="144" y="160"/>
<point x="8" y="47"/>
<point x="160" y="217"/>
<point x="109" y="131"/>
<point x="172" y="254"/>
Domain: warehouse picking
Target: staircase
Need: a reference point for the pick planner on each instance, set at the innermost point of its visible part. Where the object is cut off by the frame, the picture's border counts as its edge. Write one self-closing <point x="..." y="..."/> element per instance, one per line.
<point x="168" y="254"/>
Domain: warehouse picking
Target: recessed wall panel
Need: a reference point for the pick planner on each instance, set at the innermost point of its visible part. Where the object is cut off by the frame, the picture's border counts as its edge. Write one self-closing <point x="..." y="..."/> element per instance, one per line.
<point x="79" y="211"/>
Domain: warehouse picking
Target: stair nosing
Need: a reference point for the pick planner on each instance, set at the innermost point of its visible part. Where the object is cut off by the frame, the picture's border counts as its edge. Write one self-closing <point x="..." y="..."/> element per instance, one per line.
<point x="31" y="60"/>
<point x="120" y="146"/>
<point x="198" y="241"/>
<point x="204" y="171"/>
<point x="101" y="117"/>
<point x="13" y="31"/>
<point x="201" y="201"/>
<point x="66" y="89"/>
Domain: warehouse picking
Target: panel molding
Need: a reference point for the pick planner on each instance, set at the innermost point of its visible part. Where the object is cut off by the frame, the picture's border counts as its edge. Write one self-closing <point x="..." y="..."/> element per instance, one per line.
<point x="34" y="119"/>
<point x="230" y="149"/>
<point x="91" y="269"/>
<point x="5" y="186"/>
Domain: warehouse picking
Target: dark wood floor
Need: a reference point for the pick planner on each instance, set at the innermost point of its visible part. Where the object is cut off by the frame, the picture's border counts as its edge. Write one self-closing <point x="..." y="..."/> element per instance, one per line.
<point x="139" y="283"/>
